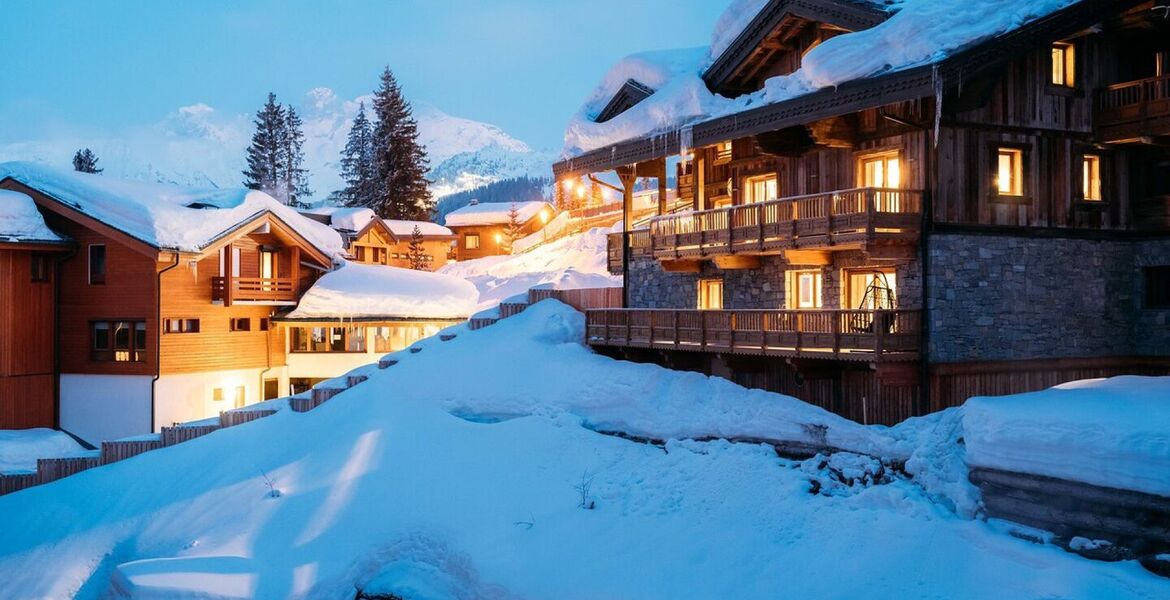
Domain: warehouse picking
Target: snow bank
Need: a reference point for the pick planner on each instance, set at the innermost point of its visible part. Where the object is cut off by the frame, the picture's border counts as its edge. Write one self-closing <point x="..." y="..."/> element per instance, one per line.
<point x="572" y="262"/>
<point x="919" y="32"/>
<point x="20" y="448"/>
<point x="496" y="213"/>
<point x="364" y="291"/>
<point x="382" y="488"/>
<point x="1110" y="432"/>
<point x="558" y="225"/>
<point x="166" y="216"/>
<point x="20" y="221"/>
<point x="405" y="229"/>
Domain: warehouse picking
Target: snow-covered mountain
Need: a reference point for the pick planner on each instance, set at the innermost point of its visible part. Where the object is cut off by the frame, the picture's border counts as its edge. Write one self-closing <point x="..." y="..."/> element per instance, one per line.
<point x="199" y="146"/>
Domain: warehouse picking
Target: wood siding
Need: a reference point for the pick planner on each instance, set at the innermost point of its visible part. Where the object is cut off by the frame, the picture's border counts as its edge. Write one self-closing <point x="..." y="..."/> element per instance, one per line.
<point x="27" y="370"/>
<point x="487" y="238"/>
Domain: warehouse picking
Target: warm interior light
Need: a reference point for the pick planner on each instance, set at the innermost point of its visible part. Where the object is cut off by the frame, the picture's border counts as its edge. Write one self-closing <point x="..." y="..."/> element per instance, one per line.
<point x="499" y="238"/>
<point x="580" y="191"/>
<point x="544" y="215"/>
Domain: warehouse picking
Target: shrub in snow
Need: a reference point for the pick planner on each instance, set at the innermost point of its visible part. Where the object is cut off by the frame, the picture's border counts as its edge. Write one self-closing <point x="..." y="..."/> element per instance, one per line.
<point x="582" y="488"/>
<point x="843" y="473"/>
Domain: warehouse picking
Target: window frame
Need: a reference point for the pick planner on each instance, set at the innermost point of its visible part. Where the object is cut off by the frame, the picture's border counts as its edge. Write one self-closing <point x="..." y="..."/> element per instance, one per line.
<point x="180" y="325"/>
<point x="97" y="278"/>
<point x="703" y="289"/>
<point x="1098" y="161"/>
<point x="1067" y="69"/>
<point x="794" y="299"/>
<point x="885" y="158"/>
<point x="1020" y="171"/>
<point x="304" y="333"/>
<point x="467" y="237"/>
<point x="724" y="153"/>
<point x="240" y="324"/>
<point x="135" y="352"/>
<point x="748" y="195"/>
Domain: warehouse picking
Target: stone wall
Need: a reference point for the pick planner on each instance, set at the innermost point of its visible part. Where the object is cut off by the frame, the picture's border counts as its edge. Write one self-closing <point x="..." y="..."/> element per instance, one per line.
<point x="994" y="297"/>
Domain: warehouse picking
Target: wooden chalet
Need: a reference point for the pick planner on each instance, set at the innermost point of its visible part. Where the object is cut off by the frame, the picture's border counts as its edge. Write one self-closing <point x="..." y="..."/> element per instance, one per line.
<point x="159" y="309"/>
<point x="482" y="229"/>
<point x="997" y="221"/>
<point x="374" y="241"/>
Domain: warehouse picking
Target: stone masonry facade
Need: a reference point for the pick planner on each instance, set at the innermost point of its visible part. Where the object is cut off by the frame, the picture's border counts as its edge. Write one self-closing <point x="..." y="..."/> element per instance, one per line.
<point x="997" y="297"/>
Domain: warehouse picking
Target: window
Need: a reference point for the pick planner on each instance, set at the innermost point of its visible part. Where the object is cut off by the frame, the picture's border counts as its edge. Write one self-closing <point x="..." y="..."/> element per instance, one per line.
<point x="723" y="153"/>
<point x="471" y="241"/>
<point x="118" y="341"/>
<point x="1157" y="287"/>
<point x="711" y="294"/>
<point x="872" y="289"/>
<point x="217" y="394"/>
<point x="267" y="264"/>
<point x="1063" y="64"/>
<point x="241" y="396"/>
<point x="804" y="289"/>
<point x="97" y="264"/>
<point x="265" y="324"/>
<point x="38" y="267"/>
<point x="881" y="171"/>
<point x="241" y="324"/>
<point x="1091" y="178"/>
<point x="327" y="339"/>
<point x="759" y="189"/>
<point x="181" y="326"/>
<point x="1009" y="174"/>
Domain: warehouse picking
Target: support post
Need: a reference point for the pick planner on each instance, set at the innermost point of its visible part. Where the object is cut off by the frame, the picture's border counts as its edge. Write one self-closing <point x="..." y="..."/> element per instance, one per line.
<point x="628" y="176"/>
<point x="229" y="269"/>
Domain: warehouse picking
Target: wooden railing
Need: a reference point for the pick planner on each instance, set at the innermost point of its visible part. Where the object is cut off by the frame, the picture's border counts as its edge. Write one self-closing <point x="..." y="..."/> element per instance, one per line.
<point x="839" y="334"/>
<point x="255" y="289"/>
<point x="639" y="248"/>
<point x="1132" y="105"/>
<point x="581" y="299"/>
<point x="813" y="221"/>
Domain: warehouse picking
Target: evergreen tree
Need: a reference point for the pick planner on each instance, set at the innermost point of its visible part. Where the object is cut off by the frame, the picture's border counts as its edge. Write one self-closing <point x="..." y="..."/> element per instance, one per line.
<point x="400" y="161"/>
<point x="514" y="230"/>
<point x="418" y="258"/>
<point x="294" y="178"/>
<point x="266" y="154"/>
<point x="86" y="162"/>
<point x="357" y="162"/>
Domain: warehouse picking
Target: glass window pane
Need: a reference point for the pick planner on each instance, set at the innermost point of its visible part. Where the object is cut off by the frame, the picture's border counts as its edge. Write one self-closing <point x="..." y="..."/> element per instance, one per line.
<point x="101" y="336"/>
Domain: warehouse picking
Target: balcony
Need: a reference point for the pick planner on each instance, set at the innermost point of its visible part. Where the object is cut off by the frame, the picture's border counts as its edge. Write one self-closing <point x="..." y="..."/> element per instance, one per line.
<point x="861" y="335"/>
<point x="1131" y="111"/>
<point x="254" y="290"/>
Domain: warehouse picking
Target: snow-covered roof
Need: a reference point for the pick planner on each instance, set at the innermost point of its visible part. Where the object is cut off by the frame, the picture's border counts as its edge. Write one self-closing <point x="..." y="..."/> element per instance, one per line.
<point x="405" y="229"/>
<point x="166" y="216"/>
<point x="495" y="213"/>
<point x="358" y="291"/>
<point x="345" y="218"/>
<point x="919" y="32"/>
<point x="20" y="221"/>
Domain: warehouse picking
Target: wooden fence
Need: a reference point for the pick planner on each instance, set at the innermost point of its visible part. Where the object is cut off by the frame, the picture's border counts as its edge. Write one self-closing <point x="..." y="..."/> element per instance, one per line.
<point x="582" y="299"/>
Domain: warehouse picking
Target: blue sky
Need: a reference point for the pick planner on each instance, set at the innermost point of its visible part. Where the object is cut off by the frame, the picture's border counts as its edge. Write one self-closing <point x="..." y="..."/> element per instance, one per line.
<point x="524" y="65"/>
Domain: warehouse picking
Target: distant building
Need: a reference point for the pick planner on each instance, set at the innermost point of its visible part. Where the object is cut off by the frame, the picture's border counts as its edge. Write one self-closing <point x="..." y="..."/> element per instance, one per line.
<point x="482" y="229"/>
<point x="373" y="241"/>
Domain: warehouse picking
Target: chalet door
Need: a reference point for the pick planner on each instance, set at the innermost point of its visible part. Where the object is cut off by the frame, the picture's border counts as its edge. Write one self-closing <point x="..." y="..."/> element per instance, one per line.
<point x="884" y="172"/>
<point x="267" y="270"/>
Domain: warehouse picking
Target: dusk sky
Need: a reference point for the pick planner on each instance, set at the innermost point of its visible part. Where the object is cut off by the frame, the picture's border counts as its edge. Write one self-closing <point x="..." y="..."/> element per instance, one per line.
<point x="524" y="65"/>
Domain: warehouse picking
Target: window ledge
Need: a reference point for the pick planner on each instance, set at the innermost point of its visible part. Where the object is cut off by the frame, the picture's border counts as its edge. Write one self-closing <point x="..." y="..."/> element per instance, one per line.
<point x="1017" y="200"/>
<point x="1082" y="204"/>
<point x="1063" y="90"/>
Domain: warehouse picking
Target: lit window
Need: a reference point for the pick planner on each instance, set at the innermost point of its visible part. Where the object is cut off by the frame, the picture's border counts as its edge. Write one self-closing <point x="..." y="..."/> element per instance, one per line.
<point x="711" y="294"/>
<point x="759" y="189"/>
<point x="1063" y="65"/>
<point x="872" y="290"/>
<point x="1091" y="177"/>
<point x="471" y="241"/>
<point x="883" y="171"/>
<point x="217" y="394"/>
<point x="805" y="289"/>
<point x="723" y="153"/>
<point x="1009" y="178"/>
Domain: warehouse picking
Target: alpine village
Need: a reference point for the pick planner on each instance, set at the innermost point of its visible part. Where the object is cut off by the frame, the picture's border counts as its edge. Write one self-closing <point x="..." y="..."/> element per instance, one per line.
<point x="850" y="286"/>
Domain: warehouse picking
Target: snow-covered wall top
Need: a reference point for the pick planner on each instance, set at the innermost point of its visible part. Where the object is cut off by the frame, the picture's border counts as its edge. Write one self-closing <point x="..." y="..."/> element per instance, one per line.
<point x="919" y="32"/>
<point x="405" y="229"/>
<point x="20" y="221"/>
<point x="375" y="291"/>
<point x="495" y="213"/>
<point x="166" y="216"/>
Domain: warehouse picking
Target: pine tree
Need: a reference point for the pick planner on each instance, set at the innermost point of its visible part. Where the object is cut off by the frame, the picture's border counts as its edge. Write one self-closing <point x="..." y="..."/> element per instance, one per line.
<point x="86" y="162"/>
<point x="400" y="161"/>
<point x="418" y="258"/>
<point x="266" y="168"/>
<point x="357" y="162"/>
<point x="514" y="230"/>
<point x="294" y="177"/>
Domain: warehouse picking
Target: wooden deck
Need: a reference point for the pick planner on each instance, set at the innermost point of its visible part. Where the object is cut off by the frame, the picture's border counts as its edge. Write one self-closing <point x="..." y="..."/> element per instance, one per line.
<point x="1129" y="111"/>
<point x="862" y="335"/>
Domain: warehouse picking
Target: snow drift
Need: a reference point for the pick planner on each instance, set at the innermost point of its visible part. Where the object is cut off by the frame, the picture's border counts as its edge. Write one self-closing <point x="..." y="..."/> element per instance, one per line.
<point x="364" y="291"/>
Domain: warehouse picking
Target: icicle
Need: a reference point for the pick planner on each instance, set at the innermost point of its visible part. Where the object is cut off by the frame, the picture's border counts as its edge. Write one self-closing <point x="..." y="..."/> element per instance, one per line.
<point x="938" y="99"/>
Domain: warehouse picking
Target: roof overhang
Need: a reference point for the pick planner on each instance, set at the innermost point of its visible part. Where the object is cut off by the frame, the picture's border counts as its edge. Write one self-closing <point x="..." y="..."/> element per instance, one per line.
<point x="278" y="227"/>
<point x="631" y="93"/>
<point x="853" y="96"/>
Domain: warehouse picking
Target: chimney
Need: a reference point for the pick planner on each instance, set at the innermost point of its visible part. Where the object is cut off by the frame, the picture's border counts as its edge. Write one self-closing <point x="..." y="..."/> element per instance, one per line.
<point x="474" y="201"/>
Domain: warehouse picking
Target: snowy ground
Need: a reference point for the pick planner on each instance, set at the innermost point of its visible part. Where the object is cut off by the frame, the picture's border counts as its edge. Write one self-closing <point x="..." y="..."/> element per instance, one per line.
<point x="470" y="486"/>
<point x="576" y="261"/>
<point x="20" y="448"/>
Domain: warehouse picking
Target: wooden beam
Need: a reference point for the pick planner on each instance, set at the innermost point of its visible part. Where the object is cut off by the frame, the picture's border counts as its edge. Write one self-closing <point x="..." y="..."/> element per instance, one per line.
<point x="228" y="270"/>
<point x="884" y="252"/>
<point x="809" y="257"/>
<point x="681" y="266"/>
<point x="736" y="261"/>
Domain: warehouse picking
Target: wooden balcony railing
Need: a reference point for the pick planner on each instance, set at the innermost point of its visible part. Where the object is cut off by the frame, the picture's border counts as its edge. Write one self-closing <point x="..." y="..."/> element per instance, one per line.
<point x="836" y="334"/>
<point x="639" y="248"/>
<point x="859" y="215"/>
<point x="1134" y="109"/>
<point x="254" y="289"/>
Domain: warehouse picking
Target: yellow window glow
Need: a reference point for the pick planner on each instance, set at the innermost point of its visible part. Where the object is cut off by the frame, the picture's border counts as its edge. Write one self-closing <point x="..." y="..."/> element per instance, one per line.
<point x="1009" y="177"/>
<point x="1063" y="64"/>
<point x="711" y="294"/>
<point x="1091" y="177"/>
<point x="760" y="189"/>
<point x="883" y="171"/>
<point x="804" y="289"/>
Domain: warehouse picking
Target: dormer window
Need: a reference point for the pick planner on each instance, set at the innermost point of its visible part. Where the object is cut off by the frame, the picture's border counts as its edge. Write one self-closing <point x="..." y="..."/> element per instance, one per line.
<point x="1063" y="64"/>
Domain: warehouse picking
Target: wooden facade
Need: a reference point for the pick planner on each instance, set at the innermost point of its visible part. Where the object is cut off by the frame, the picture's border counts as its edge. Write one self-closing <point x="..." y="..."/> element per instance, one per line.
<point x="478" y="241"/>
<point x="377" y="244"/>
<point x="27" y="352"/>
<point x="1023" y="146"/>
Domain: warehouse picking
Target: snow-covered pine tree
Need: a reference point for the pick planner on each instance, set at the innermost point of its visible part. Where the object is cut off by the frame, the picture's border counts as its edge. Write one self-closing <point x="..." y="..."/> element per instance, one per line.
<point x="294" y="178"/>
<point x="514" y="230"/>
<point x="418" y="258"/>
<point x="400" y="161"/>
<point x="85" y="161"/>
<point x="266" y="152"/>
<point x="357" y="162"/>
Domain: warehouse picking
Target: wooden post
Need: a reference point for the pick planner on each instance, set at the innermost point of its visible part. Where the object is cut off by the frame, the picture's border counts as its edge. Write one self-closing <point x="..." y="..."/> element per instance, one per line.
<point x="229" y="266"/>
<point x="662" y="189"/>
<point x="628" y="176"/>
<point x="879" y="330"/>
<point x="295" y="271"/>
<point x="760" y="224"/>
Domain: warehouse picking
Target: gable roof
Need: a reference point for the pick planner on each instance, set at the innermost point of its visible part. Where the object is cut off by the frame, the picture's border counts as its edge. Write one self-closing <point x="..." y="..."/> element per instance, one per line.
<point x="926" y="43"/>
<point x="166" y="217"/>
<point x="496" y="213"/>
<point x="22" y="223"/>
<point x="405" y="229"/>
